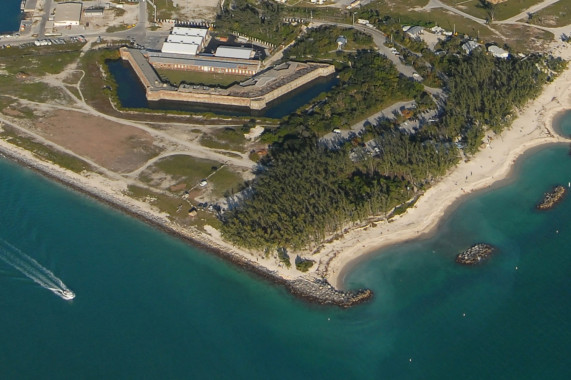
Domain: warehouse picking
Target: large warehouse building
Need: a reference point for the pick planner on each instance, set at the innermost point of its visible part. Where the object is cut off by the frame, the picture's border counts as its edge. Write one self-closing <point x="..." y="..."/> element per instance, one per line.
<point x="67" y="14"/>
<point x="188" y="41"/>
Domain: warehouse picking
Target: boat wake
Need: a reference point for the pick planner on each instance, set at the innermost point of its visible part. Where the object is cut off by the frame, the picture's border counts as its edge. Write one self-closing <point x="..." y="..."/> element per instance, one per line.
<point x="33" y="270"/>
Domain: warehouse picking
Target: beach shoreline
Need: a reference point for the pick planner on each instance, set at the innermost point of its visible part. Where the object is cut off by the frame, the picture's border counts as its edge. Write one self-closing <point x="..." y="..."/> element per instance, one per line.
<point x="492" y="165"/>
<point x="101" y="189"/>
<point x="323" y="284"/>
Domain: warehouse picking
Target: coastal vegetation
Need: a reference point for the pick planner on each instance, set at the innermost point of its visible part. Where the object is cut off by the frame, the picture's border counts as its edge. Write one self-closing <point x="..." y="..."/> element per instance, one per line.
<point x="43" y="151"/>
<point x="262" y="20"/>
<point x="305" y="192"/>
<point x="367" y="85"/>
<point x="321" y="43"/>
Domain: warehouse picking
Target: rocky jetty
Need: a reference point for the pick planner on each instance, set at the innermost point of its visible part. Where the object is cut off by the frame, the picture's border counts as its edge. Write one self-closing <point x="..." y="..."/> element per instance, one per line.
<point x="475" y="254"/>
<point x="322" y="292"/>
<point x="551" y="198"/>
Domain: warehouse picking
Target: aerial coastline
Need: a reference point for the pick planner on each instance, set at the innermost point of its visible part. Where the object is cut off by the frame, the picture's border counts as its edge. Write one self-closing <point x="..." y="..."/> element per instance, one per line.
<point x="532" y="128"/>
<point x="124" y="168"/>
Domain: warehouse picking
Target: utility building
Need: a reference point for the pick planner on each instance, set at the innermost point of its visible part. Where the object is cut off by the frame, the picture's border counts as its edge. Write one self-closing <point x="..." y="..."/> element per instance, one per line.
<point x="234" y="52"/>
<point x="67" y="14"/>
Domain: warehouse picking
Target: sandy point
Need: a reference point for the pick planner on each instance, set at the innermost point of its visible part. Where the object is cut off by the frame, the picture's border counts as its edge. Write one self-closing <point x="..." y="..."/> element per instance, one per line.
<point x="532" y="127"/>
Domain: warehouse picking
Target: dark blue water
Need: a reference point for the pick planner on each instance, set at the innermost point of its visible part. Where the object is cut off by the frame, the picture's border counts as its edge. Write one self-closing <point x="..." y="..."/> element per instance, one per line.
<point x="10" y="16"/>
<point x="131" y="94"/>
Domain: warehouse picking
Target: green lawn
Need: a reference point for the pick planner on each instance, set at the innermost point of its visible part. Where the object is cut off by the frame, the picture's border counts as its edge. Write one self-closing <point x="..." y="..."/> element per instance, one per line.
<point x="182" y="168"/>
<point x="225" y="181"/>
<point x="556" y="15"/>
<point x="40" y="60"/>
<point x="501" y="11"/>
<point x="227" y="138"/>
<point x="34" y="91"/>
<point x="175" y="77"/>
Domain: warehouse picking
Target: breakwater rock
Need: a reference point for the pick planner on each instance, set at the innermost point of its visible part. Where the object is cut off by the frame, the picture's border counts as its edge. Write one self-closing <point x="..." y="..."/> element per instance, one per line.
<point x="552" y="198"/>
<point x="475" y="254"/>
<point x="322" y="292"/>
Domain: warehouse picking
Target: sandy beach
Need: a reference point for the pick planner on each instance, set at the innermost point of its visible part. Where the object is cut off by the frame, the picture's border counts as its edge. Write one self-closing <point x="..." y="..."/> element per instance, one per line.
<point x="532" y="128"/>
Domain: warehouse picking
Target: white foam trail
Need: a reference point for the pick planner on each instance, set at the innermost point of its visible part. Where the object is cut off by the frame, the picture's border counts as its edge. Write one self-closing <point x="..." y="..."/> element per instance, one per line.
<point x="33" y="270"/>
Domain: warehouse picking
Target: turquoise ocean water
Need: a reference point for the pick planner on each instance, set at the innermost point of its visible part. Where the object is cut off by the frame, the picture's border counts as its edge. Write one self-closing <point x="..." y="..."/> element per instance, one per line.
<point x="149" y="306"/>
<point x="10" y="16"/>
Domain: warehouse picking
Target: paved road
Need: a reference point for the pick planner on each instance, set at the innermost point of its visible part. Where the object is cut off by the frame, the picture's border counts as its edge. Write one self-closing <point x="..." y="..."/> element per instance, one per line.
<point x="45" y="16"/>
<point x="379" y="39"/>
<point x="438" y="4"/>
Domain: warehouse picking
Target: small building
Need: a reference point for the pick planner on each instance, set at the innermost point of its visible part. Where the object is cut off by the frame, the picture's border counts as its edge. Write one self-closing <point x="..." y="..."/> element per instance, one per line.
<point x="498" y="52"/>
<point x="234" y="52"/>
<point x="94" y="12"/>
<point x="414" y="31"/>
<point x="183" y="31"/>
<point x="180" y="48"/>
<point x="30" y="6"/>
<point x="470" y="46"/>
<point x="67" y="14"/>
<point x="341" y="42"/>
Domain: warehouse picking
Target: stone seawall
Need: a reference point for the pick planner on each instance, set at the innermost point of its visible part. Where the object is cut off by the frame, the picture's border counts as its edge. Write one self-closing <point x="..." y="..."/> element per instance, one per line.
<point x="156" y="95"/>
<point x="126" y="56"/>
<point x="257" y="103"/>
<point x="262" y="102"/>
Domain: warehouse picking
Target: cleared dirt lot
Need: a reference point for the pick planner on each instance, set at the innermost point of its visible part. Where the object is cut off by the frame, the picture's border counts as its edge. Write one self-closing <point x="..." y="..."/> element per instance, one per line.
<point x="115" y="146"/>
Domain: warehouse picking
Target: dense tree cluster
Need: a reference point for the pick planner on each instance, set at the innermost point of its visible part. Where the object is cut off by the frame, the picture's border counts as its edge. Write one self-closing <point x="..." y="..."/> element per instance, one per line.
<point x="307" y="192"/>
<point x="367" y="85"/>
<point x="257" y="19"/>
<point x="482" y="92"/>
<point x="319" y="42"/>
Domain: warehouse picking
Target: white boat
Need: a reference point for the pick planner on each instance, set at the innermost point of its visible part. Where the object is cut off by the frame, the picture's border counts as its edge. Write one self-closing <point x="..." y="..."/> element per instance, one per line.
<point x="65" y="294"/>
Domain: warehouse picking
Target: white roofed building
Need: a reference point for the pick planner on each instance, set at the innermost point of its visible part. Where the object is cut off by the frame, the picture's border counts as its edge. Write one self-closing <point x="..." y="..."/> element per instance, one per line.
<point x="187" y="41"/>
<point x="182" y="31"/>
<point x="498" y="52"/>
<point x="234" y="52"/>
<point x="67" y="14"/>
<point x="180" y="48"/>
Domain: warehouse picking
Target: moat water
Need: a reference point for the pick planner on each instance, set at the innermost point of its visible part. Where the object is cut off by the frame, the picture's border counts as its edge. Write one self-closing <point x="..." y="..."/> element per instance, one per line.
<point x="131" y="94"/>
<point x="149" y="306"/>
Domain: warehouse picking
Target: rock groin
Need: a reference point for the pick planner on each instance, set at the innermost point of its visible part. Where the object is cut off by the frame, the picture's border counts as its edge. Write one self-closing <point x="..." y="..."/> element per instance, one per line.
<point x="475" y="254"/>
<point x="322" y="292"/>
<point x="552" y="198"/>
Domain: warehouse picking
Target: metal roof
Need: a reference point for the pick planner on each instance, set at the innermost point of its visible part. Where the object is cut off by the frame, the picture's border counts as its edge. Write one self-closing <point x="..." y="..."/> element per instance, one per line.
<point x="184" y="39"/>
<point x="67" y="13"/>
<point x="179" y="48"/>
<point x="233" y="52"/>
<point x="199" y="32"/>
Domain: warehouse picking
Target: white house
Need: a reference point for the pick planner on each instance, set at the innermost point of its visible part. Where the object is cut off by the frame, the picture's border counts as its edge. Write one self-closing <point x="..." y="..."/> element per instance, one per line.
<point x="498" y="52"/>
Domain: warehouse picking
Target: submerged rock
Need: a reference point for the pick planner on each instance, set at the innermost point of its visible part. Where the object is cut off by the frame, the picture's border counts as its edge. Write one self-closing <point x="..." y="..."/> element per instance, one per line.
<point x="552" y="198"/>
<point x="475" y="254"/>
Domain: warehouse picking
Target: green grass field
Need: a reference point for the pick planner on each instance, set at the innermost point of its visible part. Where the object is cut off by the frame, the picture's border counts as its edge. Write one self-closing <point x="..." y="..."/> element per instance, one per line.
<point x="176" y="77"/>
<point x="501" y="11"/>
<point x="227" y="138"/>
<point x="556" y="15"/>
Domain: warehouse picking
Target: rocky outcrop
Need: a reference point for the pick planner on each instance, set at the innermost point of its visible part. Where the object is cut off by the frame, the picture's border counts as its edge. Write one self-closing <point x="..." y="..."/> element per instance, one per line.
<point x="475" y="254"/>
<point x="320" y="291"/>
<point x="552" y="198"/>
